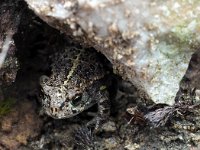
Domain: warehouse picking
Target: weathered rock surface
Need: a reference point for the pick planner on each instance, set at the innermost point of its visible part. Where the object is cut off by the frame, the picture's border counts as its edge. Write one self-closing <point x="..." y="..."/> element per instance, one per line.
<point x="10" y="16"/>
<point x="149" y="42"/>
<point x="18" y="125"/>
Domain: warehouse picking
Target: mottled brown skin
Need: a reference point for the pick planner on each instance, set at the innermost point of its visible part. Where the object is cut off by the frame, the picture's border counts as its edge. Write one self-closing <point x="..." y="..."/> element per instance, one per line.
<point x="74" y="84"/>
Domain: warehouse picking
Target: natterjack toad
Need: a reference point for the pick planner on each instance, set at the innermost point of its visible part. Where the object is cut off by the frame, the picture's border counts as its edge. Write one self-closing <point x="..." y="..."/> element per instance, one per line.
<point x="74" y="84"/>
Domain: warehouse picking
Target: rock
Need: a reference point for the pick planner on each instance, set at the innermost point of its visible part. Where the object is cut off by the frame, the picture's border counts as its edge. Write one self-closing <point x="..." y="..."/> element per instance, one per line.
<point x="9" y="65"/>
<point x="131" y="146"/>
<point x="109" y="126"/>
<point x="111" y="143"/>
<point x="56" y="138"/>
<point x="9" y="68"/>
<point x="18" y="125"/>
<point x="149" y="43"/>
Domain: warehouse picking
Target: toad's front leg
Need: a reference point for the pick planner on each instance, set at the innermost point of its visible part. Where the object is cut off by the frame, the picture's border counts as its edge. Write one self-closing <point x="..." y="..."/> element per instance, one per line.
<point x="102" y="97"/>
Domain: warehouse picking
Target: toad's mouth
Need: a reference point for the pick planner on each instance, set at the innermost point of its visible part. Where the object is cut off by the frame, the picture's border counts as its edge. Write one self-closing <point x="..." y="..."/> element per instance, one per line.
<point x="57" y="113"/>
<point x="66" y="109"/>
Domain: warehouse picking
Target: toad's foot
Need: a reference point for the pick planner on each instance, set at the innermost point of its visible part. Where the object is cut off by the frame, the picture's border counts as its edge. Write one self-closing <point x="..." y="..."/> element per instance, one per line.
<point x="97" y="123"/>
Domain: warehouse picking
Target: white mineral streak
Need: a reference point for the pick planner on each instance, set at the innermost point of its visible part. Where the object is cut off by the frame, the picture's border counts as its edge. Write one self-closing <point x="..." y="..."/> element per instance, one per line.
<point x="151" y="40"/>
<point x="4" y="51"/>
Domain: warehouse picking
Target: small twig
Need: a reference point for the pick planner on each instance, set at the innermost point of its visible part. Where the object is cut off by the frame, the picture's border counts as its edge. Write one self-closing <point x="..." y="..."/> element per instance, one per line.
<point x="5" y="48"/>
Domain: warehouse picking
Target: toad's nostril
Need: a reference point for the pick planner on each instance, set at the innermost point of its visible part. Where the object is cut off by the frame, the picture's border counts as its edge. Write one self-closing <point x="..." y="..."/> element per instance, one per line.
<point x="54" y="110"/>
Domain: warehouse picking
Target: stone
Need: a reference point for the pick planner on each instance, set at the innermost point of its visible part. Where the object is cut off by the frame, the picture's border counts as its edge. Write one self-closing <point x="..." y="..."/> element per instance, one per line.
<point x="150" y="43"/>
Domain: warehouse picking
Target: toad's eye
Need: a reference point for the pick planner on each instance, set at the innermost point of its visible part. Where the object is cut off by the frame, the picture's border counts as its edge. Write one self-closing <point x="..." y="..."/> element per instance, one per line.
<point x="44" y="79"/>
<point x="76" y="101"/>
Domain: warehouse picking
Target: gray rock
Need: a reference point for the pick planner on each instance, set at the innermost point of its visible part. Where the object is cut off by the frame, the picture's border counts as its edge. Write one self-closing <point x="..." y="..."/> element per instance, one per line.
<point x="149" y="43"/>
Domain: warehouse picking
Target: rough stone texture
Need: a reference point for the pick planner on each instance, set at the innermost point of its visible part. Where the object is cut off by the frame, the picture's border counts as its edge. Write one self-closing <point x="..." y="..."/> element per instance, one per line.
<point x="10" y="18"/>
<point x="10" y="67"/>
<point x="20" y="124"/>
<point x="191" y="78"/>
<point x="149" y="42"/>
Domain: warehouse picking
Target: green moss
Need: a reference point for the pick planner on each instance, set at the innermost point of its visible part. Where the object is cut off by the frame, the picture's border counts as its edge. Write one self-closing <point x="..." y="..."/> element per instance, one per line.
<point x="185" y="32"/>
<point x="180" y="39"/>
<point x="6" y="105"/>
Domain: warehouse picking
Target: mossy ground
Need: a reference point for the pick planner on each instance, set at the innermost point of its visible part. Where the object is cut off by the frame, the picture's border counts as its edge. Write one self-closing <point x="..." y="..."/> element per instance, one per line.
<point x="6" y="106"/>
